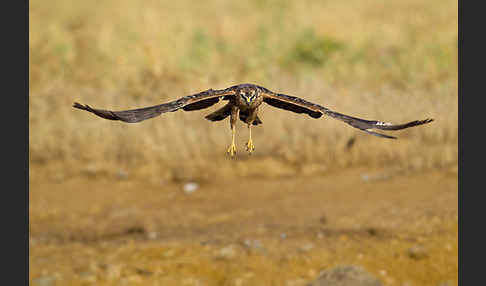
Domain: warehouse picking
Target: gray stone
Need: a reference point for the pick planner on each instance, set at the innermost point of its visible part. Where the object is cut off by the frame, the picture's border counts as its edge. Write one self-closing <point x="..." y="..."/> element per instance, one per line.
<point x="227" y="252"/>
<point x="348" y="275"/>
<point x="445" y="283"/>
<point x="417" y="252"/>
<point x="306" y="247"/>
<point x="121" y="175"/>
<point x="190" y="187"/>
<point x="44" y="281"/>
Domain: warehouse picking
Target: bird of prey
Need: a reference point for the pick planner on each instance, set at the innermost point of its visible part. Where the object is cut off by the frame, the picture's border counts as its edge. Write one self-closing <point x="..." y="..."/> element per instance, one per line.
<point x="243" y="101"/>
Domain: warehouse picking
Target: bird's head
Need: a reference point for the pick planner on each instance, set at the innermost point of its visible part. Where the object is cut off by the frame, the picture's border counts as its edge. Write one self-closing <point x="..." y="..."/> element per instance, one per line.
<point x="247" y="96"/>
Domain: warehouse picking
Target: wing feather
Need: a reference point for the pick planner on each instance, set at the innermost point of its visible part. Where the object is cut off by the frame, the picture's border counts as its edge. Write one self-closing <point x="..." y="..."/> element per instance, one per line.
<point x="300" y="105"/>
<point x="188" y="103"/>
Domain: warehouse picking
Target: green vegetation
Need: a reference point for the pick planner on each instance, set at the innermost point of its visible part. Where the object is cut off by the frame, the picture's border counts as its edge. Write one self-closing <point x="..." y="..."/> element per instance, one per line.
<point x="379" y="60"/>
<point x="313" y="50"/>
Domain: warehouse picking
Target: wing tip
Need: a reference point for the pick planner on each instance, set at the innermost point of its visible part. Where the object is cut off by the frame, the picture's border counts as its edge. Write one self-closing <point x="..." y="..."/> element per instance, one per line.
<point x="81" y="106"/>
<point x="420" y="122"/>
<point x="413" y="123"/>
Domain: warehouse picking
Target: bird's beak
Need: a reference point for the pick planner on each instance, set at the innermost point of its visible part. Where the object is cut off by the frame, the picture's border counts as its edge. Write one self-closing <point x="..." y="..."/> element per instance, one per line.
<point x="248" y="101"/>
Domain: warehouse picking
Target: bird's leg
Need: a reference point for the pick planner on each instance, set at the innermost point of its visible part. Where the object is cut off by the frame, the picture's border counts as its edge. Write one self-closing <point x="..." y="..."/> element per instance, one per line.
<point x="234" y="116"/>
<point x="251" y="117"/>
<point x="232" y="148"/>
<point x="249" y="146"/>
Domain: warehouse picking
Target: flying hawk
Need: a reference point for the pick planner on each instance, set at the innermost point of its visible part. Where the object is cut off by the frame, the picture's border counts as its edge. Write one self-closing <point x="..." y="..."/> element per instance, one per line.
<point x="243" y="102"/>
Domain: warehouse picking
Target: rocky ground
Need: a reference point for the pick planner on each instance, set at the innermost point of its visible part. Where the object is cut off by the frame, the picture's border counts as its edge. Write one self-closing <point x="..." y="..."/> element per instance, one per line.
<point x="400" y="228"/>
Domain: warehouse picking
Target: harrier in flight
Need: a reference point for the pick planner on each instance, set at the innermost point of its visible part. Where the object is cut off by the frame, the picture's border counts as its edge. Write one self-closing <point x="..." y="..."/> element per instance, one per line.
<point x="243" y="102"/>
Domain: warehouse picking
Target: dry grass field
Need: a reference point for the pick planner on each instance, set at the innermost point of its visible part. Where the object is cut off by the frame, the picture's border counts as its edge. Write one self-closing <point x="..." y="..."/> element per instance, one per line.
<point x="106" y="199"/>
<point x="394" y="62"/>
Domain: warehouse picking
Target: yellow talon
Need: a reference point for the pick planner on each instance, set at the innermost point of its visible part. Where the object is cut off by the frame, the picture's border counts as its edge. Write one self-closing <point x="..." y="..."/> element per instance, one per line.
<point x="249" y="146"/>
<point x="232" y="150"/>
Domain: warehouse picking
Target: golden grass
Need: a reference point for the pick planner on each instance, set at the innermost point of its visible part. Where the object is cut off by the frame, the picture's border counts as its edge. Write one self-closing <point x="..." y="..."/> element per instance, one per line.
<point x="393" y="61"/>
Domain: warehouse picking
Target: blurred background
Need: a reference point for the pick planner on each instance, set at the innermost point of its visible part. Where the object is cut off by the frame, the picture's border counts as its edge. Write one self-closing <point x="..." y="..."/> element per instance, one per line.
<point x="95" y="183"/>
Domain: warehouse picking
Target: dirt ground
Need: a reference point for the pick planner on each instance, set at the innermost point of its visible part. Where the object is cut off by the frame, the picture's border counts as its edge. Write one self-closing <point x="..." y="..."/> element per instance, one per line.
<point x="401" y="227"/>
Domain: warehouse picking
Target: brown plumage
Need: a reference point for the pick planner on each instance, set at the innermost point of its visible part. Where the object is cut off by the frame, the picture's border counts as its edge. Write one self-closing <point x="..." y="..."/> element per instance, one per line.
<point x="243" y="101"/>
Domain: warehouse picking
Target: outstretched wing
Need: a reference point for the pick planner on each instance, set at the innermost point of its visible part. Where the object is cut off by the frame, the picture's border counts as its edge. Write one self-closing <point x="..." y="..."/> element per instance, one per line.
<point x="300" y="105"/>
<point x="188" y="103"/>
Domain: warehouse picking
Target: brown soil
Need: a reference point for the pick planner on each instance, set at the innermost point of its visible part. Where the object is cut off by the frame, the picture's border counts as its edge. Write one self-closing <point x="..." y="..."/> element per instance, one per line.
<point x="401" y="227"/>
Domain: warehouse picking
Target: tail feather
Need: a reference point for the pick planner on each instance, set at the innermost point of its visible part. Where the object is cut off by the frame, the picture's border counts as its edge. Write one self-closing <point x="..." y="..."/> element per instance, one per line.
<point x="225" y="111"/>
<point x="244" y="115"/>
